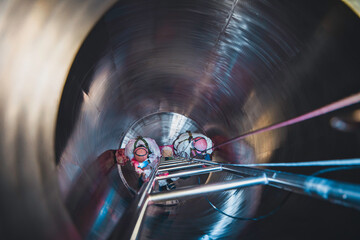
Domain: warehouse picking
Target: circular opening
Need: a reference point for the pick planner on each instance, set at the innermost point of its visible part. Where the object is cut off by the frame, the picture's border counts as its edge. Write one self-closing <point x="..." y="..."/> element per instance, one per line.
<point x="163" y="127"/>
<point x="166" y="67"/>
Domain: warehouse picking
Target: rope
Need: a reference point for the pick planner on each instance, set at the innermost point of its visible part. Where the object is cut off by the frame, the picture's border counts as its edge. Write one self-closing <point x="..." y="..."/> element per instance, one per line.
<point x="345" y="102"/>
<point x="342" y="162"/>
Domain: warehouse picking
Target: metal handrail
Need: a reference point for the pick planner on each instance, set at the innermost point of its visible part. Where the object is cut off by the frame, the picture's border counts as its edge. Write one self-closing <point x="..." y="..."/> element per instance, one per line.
<point x="338" y="192"/>
<point x="346" y="194"/>
<point x="172" y="161"/>
<point x="191" y="165"/>
<point x="173" y="165"/>
<point x="191" y="172"/>
<point x="136" y="212"/>
<point x="207" y="188"/>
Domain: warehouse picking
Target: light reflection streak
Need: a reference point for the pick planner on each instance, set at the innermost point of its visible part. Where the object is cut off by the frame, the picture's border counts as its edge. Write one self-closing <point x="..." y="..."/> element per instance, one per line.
<point x="177" y="123"/>
<point x="233" y="202"/>
<point x="106" y="218"/>
<point x="345" y="102"/>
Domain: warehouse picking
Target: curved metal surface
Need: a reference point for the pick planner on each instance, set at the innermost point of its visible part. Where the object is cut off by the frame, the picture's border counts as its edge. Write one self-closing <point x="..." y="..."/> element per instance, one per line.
<point x="164" y="127"/>
<point x="39" y="40"/>
<point x="229" y="66"/>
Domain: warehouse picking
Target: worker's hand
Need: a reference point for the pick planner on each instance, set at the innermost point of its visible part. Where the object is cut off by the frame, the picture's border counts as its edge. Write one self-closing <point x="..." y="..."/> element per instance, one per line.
<point x="120" y="157"/>
<point x="146" y="175"/>
<point x="143" y="164"/>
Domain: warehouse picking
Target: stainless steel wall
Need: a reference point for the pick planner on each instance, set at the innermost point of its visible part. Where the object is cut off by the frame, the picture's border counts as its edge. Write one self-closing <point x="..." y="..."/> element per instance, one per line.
<point x="228" y="66"/>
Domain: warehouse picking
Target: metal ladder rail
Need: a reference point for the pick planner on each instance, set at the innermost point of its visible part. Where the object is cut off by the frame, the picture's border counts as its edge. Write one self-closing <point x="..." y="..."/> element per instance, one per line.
<point x="136" y="211"/>
<point x="168" y="165"/>
<point x="346" y="194"/>
<point x="181" y="163"/>
<point x="338" y="192"/>
<point x="166" y="162"/>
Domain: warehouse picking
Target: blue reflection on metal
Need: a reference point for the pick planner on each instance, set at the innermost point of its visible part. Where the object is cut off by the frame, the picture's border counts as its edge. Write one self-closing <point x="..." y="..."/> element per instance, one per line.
<point x="103" y="218"/>
<point x="205" y="237"/>
<point x="219" y="229"/>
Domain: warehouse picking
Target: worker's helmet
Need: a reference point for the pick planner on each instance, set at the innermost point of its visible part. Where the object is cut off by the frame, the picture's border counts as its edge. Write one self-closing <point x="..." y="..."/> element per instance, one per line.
<point x="199" y="145"/>
<point x="167" y="151"/>
<point x="141" y="152"/>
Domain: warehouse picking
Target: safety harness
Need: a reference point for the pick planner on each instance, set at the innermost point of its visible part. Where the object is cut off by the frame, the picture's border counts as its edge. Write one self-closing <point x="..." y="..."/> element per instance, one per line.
<point x="188" y="139"/>
<point x="191" y="141"/>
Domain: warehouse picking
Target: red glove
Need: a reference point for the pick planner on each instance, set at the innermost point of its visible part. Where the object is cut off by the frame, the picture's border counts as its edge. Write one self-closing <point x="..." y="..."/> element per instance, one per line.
<point x="120" y="157"/>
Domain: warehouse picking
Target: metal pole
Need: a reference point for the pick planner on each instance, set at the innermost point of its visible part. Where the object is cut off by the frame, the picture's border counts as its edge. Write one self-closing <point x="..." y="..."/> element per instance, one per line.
<point x="206" y="161"/>
<point x="190" y="172"/>
<point x="208" y="188"/>
<point x="172" y="165"/>
<point x="134" y="216"/>
<point x="346" y="194"/>
<point x="181" y="167"/>
<point x="172" y="161"/>
<point x="338" y="192"/>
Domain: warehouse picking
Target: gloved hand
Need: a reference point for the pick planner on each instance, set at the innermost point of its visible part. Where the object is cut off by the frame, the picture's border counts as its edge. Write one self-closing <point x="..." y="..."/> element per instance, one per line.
<point x="120" y="157"/>
<point x="143" y="164"/>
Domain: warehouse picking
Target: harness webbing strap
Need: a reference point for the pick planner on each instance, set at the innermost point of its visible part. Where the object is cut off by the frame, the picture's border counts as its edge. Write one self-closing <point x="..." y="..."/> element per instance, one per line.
<point x="190" y="136"/>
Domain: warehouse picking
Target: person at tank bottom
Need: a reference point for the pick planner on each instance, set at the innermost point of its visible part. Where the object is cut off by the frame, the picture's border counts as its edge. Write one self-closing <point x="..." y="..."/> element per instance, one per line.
<point x="143" y="154"/>
<point x="168" y="184"/>
<point x="193" y="145"/>
<point x="167" y="152"/>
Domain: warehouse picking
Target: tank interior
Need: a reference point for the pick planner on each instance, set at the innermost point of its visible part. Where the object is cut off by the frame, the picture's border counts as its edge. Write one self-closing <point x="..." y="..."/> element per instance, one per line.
<point x="79" y="79"/>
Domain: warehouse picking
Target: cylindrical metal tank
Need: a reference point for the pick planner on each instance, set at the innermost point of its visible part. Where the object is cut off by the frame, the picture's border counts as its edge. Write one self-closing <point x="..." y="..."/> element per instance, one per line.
<point x="79" y="78"/>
